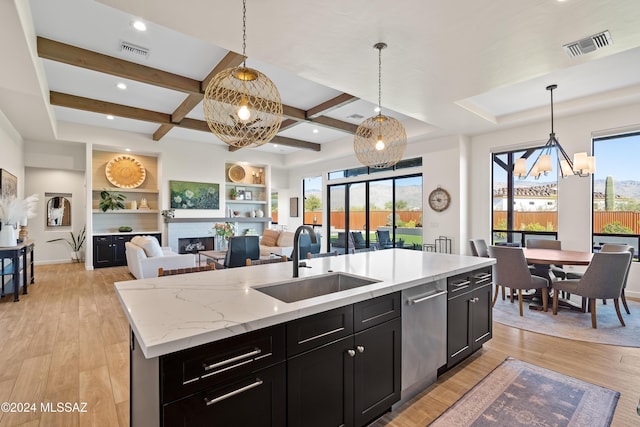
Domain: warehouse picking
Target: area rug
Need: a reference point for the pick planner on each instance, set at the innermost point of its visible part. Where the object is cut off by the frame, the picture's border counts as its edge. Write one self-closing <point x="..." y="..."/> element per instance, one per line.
<point x="517" y="393"/>
<point x="575" y="325"/>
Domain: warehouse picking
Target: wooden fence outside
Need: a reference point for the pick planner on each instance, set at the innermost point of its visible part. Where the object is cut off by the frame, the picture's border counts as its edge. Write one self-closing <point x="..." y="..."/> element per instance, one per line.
<point x="549" y="220"/>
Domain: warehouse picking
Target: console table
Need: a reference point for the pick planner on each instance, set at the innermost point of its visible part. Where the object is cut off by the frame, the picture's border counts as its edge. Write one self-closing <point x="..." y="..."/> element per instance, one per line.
<point x="15" y="254"/>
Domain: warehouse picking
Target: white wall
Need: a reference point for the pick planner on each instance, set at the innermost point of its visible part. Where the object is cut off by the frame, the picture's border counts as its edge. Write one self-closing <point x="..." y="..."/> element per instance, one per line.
<point x="574" y="193"/>
<point x="11" y="149"/>
<point x="40" y="181"/>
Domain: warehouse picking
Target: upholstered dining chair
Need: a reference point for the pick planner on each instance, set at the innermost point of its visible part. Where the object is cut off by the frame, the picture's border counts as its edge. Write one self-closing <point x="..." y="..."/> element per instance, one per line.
<point x="612" y="247"/>
<point x="549" y="244"/>
<point x="512" y="271"/>
<point x="479" y="248"/>
<point x="240" y="248"/>
<point x="603" y="279"/>
<point x="174" y="271"/>
<point x="273" y="260"/>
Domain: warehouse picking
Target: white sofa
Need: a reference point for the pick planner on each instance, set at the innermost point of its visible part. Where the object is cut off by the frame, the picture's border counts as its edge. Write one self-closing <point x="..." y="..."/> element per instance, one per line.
<point x="145" y="255"/>
<point x="276" y="242"/>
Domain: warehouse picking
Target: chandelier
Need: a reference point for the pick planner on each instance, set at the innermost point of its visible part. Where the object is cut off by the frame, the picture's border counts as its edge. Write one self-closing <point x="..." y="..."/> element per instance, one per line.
<point x="380" y="140"/>
<point x="241" y="105"/>
<point x="582" y="164"/>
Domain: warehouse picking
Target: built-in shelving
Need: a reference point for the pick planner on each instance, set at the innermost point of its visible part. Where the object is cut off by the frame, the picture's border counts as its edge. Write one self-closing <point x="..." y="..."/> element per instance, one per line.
<point x="255" y="183"/>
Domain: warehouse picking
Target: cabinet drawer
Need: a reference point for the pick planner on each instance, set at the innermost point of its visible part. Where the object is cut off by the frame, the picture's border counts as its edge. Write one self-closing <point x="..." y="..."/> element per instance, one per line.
<point x="318" y="329"/>
<point x="482" y="277"/>
<point x="192" y="370"/>
<point x="459" y="284"/>
<point x="376" y="311"/>
<point x="257" y="400"/>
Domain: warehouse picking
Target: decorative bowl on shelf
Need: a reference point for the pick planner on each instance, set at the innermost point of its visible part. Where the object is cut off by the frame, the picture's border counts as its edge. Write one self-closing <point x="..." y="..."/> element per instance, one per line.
<point x="237" y="173"/>
<point x="236" y="213"/>
<point x="125" y="228"/>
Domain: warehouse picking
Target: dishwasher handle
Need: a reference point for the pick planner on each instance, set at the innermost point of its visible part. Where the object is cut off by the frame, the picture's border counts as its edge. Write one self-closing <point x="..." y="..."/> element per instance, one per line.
<point x="425" y="297"/>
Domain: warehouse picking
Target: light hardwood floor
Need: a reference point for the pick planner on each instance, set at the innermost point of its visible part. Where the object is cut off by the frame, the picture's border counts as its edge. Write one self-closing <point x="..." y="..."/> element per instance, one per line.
<point x="67" y="341"/>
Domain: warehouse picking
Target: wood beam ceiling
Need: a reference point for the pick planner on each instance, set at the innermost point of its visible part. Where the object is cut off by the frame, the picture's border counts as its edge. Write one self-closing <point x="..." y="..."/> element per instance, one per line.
<point x="61" y="52"/>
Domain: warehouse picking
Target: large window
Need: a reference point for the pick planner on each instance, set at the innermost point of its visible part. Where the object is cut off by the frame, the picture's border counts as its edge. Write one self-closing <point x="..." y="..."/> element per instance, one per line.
<point x="616" y="191"/>
<point x="523" y="207"/>
<point x="392" y="205"/>
<point x="312" y="193"/>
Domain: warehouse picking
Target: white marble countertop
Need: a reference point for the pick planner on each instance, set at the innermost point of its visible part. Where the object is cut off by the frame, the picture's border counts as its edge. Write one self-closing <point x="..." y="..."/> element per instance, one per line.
<point x="172" y="313"/>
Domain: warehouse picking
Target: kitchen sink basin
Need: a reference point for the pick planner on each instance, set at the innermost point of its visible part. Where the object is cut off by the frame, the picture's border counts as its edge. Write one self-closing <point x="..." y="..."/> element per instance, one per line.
<point x="310" y="287"/>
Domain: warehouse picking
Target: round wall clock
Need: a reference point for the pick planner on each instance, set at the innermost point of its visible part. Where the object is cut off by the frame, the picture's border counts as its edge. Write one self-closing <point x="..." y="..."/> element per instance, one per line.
<point x="439" y="199"/>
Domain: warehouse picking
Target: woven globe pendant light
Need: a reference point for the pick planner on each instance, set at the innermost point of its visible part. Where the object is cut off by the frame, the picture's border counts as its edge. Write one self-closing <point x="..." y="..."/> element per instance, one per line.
<point x="242" y="106"/>
<point x="380" y="141"/>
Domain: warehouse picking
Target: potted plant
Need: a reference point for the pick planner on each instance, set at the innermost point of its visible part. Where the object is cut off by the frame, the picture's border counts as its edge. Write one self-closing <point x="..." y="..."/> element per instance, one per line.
<point x="233" y="193"/>
<point x="111" y="200"/>
<point x="75" y="242"/>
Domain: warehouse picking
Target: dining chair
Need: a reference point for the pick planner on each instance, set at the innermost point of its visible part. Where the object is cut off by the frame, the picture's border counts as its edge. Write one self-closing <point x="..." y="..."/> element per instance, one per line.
<point x="603" y="279"/>
<point x="479" y="248"/>
<point x="240" y="248"/>
<point x="273" y="260"/>
<point x="549" y="244"/>
<point x="174" y="271"/>
<point x="321" y="255"/>
<point x="512" y="271"/>
<point x="613" y="247"/>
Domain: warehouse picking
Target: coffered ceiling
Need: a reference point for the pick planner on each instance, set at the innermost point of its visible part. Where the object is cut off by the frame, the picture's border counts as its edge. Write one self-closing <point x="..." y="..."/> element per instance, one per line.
<point x="452" y="67"/>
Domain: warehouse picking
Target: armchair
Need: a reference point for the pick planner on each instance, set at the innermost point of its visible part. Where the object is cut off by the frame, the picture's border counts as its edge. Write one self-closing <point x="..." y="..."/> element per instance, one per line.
<point x="145" y="256"/>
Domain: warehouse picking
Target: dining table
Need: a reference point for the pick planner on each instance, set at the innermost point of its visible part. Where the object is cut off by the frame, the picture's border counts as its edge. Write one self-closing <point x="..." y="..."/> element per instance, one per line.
<point x="542" y="259"/>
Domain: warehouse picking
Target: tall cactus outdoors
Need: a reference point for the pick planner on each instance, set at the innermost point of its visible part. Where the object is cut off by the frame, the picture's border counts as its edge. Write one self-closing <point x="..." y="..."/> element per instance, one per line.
<point x="609" y="194"/>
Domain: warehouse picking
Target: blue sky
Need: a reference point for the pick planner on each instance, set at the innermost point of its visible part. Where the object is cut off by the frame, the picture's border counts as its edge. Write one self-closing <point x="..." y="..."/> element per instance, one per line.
<point x="618" y="158"/>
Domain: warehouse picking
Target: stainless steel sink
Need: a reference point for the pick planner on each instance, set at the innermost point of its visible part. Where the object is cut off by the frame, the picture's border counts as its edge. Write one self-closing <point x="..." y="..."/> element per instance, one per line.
<point x="310" y="287"/>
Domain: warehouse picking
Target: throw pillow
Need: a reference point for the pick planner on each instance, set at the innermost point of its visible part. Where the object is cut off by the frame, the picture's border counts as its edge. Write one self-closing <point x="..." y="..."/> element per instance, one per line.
<point x="286" y="239"/>
<point x="151" y="246"/>
<point x="269" y="237"/>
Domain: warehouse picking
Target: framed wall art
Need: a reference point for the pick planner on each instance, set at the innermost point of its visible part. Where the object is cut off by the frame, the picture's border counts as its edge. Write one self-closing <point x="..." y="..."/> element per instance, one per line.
<point x="8" y="184"/>
<point x="194" y="195"/>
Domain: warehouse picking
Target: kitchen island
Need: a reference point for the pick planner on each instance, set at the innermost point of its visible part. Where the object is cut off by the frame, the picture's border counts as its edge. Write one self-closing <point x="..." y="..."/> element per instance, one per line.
<point x="173" y="316"/>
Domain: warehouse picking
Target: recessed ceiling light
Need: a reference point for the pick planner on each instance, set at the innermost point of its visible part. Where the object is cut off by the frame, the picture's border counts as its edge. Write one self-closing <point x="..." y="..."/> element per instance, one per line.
<point x="139" y="25"/>
<point x="316" y="131"/>
<point x="121" y="86"/>
<point x="110" y="117"/>
<point x="127" y="149"/>
<point x="275" y="145"/>
<point x="377" y="109"/>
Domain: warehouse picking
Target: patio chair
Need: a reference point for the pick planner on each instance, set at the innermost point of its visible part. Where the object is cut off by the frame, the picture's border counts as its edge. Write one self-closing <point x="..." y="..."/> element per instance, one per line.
<point x="384" y="239"/>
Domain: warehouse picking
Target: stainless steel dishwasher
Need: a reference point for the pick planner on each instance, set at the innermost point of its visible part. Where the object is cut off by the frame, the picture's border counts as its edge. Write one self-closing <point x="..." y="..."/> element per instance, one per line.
<point x="424" y="335"/>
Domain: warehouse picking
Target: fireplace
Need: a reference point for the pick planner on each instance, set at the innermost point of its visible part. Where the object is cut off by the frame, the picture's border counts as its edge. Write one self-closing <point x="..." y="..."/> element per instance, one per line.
<point x="190" y="245"/>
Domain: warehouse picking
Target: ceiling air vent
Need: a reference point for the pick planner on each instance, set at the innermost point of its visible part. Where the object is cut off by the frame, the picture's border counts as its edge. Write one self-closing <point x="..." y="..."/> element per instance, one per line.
<point x="133" y="49"/>
<point x="588" y="44"/>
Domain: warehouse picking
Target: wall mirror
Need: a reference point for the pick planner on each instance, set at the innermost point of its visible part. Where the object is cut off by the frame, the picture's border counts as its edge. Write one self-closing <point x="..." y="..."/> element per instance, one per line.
<point x="59" y="211"/>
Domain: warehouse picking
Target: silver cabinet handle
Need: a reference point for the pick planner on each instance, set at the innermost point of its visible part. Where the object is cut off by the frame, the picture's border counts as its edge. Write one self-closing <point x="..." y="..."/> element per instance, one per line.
<point x="351" y="353"/>
<point x="474" y="300"/>
<point x="233" y="393"/>
<point x="233" y="359"/>
<point x="459" y="284"/>
<point x="360" y="348"/>
<point x="426" y="297"/>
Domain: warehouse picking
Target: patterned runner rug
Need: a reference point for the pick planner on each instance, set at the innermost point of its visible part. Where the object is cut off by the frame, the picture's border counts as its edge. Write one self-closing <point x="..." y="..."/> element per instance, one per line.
<point x="517" y="393"/>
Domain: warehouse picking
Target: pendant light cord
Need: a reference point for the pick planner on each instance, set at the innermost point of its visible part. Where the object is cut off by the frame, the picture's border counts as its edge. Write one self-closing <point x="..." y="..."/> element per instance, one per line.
<point x="244" y="33"/>
<point x="380" y="81"/>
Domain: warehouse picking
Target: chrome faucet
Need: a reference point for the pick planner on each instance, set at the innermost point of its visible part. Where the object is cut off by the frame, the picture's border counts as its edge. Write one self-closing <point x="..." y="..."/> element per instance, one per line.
<point x="296" y="246"/>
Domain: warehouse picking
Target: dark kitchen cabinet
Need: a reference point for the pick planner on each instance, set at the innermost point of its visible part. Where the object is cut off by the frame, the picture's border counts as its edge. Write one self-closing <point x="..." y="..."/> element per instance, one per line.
<point x="109" y="250"/>
<point x="345" y="378"/>
<point x="469" y="319"/>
